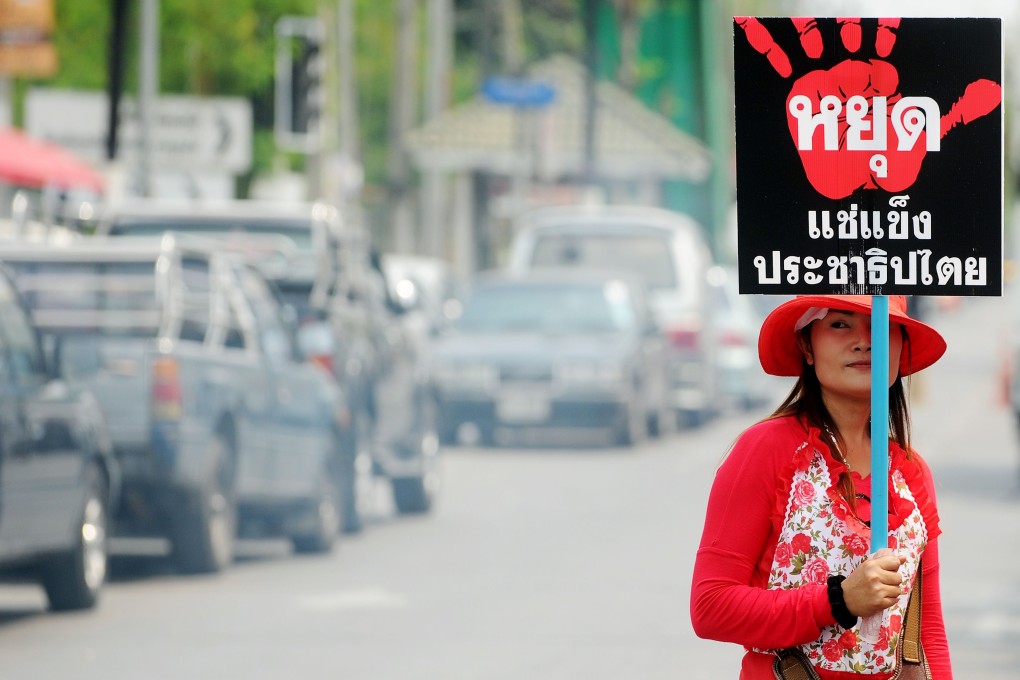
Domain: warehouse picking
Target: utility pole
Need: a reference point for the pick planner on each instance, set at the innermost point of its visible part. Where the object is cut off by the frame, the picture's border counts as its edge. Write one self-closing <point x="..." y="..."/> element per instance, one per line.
<point x="591" y="28"/>
<point x="115" y="73"/>
<point x="718" y="123"/>
<point x="437" y="95"/>
<point x="349" y="148"/>
<point x="148" y="89"/>
<point x="512" y="21"/>
<point x="484" y="20"/>
<point x="402" y="110"/>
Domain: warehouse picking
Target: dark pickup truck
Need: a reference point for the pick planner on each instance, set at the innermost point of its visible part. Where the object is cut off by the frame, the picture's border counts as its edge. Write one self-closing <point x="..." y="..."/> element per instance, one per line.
<point x="218" y="425"/>
<point x="58" y="476"/>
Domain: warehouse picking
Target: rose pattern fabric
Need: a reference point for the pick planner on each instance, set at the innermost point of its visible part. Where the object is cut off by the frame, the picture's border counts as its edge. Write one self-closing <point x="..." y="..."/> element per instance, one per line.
<point x="822" y="537"/>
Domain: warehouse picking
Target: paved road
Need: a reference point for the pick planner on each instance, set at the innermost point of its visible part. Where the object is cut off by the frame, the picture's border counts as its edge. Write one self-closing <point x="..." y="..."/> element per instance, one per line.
<point x="538" y="563"/>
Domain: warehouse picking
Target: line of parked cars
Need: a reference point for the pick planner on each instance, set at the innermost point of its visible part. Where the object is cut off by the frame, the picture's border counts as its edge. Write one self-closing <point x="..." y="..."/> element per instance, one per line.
<point x="351" y="318"/>
<point x="201" y="373"/>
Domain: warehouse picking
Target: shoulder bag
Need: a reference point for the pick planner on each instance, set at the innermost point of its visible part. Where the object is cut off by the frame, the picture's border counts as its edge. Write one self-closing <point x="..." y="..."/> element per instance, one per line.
<point x="792" y="664"/>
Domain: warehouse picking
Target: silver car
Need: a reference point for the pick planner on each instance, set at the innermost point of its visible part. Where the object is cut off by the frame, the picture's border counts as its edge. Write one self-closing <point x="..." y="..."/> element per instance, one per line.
<point x="553" y="348"/>
<point x="669" y="253"/>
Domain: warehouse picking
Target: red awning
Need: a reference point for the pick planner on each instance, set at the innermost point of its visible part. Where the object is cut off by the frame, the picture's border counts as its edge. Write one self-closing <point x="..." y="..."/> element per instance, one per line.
<point x="36" y="163"/>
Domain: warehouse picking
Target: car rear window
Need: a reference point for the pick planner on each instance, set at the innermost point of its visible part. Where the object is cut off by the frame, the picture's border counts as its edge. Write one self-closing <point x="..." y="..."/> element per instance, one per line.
<point x="299" y="234"/>
<point x="646" y="255"/>
<point x="548" y="308"/>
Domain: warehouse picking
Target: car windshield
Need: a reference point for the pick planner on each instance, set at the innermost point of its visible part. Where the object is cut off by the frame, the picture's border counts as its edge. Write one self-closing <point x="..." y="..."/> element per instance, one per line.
<point x="548" y="308"/>
<point x="646" y="255"/>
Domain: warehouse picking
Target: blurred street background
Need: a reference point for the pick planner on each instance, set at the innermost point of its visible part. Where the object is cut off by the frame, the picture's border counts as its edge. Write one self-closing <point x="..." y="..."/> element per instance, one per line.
<point x="523" y="484"/>
<point x="542" y="563"/>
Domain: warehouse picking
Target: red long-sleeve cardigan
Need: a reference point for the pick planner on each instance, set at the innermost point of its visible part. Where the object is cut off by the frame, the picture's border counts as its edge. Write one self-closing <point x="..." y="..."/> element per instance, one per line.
<point x="729" y="601"/>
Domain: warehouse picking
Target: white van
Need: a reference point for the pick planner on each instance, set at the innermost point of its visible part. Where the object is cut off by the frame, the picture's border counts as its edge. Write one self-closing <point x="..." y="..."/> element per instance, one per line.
<point x="669" y="253"/>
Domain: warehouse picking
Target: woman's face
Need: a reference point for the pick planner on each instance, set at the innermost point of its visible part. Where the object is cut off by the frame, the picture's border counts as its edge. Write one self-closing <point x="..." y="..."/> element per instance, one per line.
<point x="840" y="351"/>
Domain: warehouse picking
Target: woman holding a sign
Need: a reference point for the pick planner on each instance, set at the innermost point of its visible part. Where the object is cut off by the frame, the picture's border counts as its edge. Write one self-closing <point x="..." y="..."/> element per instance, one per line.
<point x="784" y="567"/>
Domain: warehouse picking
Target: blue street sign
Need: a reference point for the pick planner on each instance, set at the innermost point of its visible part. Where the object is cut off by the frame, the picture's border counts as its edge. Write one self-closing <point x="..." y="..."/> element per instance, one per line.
<point x="521" y="92"/>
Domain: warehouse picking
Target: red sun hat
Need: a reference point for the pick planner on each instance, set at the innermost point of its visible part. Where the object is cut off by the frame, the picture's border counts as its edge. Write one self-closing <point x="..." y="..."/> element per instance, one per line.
<point x="777" y="342"/>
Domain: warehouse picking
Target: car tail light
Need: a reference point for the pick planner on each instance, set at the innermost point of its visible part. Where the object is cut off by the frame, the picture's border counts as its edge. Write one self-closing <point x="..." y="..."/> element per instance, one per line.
<point x="732" y="339"/>
<point x="166" y="389"/>
<point x="323" y="361"/>
<point x="315" y="340"/>
<point x="684" y="336"/>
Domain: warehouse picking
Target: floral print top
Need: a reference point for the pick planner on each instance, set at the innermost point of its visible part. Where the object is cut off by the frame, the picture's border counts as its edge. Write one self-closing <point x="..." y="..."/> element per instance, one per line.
<point x="821" y="536"/>
<point x="776" y="527"/>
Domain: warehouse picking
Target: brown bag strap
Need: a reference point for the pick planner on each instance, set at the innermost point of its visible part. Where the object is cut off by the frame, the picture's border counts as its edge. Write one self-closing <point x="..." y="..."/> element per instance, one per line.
<point x="912" y="623"/>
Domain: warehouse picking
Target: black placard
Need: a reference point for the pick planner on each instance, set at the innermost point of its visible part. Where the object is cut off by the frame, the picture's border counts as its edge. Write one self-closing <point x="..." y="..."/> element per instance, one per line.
<point x="863" y="216"/>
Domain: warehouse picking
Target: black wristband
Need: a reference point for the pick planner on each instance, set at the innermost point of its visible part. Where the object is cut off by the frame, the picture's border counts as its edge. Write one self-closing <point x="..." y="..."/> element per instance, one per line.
<point x="839" y="611"/>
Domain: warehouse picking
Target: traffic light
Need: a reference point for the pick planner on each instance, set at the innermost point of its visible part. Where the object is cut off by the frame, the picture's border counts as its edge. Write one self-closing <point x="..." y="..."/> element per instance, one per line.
<point x="300" y="83"/>
<point x="308" y="91"/>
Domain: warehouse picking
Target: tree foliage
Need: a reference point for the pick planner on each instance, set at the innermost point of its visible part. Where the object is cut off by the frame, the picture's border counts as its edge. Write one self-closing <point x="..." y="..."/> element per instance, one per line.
<point x="226" y="48"/>
<point x="221" y="47"/>
<point x="207" y="47"/>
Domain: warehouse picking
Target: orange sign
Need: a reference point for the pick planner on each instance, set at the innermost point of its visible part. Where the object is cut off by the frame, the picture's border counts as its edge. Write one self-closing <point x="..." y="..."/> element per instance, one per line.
<point x="27" y="15"/>
<point x="25" y="30"/>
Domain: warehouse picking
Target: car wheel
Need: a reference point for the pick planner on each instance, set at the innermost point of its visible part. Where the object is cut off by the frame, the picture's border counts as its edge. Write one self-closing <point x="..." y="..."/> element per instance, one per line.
<point x="73" y="579"/>
<point x="663" y="421"/>
<point x="324" y="518"/>
<point x="347" y="480"/>
<point x="633" y="428"/>
<point x="357" y="476"/>
<point x="486" y="434"/>
<point x="448" y="430"/>
<point x="415" y="495"/>
<point x="411" y="495"/>
<point x="203" y="532"/>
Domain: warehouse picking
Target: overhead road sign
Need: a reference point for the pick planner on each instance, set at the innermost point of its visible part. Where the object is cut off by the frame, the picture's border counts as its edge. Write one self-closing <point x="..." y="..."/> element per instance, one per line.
<point x="189" y="132"/>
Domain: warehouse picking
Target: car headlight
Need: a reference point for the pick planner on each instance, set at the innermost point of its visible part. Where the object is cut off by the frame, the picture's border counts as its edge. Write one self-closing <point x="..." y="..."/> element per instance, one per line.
<point x="465" y="375"/>
<point x="590" y="372"/>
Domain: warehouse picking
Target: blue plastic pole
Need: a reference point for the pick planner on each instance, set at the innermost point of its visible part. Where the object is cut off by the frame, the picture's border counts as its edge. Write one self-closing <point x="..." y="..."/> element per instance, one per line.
<point x="879" y="422"/>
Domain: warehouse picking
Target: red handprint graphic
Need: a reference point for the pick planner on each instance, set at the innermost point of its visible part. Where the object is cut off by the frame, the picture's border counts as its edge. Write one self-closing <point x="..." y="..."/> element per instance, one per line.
<point x="852" y="126"/>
